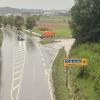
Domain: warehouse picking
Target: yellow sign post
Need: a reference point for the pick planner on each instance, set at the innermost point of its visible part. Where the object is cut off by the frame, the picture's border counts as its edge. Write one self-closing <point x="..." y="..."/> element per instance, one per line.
<point x="75" y="62"/>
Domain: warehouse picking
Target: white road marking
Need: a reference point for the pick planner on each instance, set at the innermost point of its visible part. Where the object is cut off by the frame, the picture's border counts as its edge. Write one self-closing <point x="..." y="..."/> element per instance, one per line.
<point x="17" y="56"/>
<point x="46" y="72"/>
<point x="18" y="69"/>
<point x="14" y="88"/>
<point x="44" y="64"/>
<point x="43" y="59"/>
<point x="17" y="78"/>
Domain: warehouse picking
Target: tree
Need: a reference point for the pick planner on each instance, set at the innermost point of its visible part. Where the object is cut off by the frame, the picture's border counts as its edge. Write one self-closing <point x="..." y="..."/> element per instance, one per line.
<point x="11" y="20"/>
<point x="5" y="21"/>
<point x="86" y="20"/>
<point x="19" y="22"/>
<point x="30" y="22"/>
<point x="0" y="21"/>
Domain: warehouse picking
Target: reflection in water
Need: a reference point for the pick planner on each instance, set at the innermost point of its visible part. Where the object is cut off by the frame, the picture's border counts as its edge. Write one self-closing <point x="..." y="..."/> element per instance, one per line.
<point x="30" y="43"/>
<point x="8" y="34"/>
<point x="0" y="67"/>
<point x="21" y="43"/>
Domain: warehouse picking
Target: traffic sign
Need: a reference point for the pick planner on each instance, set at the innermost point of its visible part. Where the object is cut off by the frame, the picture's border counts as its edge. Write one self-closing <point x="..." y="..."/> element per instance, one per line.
<point x="75" y="62"/>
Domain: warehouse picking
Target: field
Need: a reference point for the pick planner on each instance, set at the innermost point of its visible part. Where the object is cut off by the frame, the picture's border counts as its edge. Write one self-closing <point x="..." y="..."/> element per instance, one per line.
<point x="58" y="24"/>
<point x="54" y="19"/>
<point x="87" y="78"/>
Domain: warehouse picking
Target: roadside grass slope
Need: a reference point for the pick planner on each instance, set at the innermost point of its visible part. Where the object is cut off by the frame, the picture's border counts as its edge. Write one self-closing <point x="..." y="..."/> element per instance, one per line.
<point x="1" y="37"/>
<point x="61" y="90"/>
<point x="87" y="77"/>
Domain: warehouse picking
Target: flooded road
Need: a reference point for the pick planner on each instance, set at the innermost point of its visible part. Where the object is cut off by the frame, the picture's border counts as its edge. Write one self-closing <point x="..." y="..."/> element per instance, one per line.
<point x="22" y="70"/>
<point x="25" y="67"/>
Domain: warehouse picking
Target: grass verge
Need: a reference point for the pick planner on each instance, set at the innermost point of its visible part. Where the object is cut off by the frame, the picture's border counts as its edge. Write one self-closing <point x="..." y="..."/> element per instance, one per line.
<point x="63" y="33"/>
<point x="88" y="78"/>
<point x="28" y="33"/>
<point x="1" y="37"/>
<point x="61" y="91"/>
<point x="47" y="40"/>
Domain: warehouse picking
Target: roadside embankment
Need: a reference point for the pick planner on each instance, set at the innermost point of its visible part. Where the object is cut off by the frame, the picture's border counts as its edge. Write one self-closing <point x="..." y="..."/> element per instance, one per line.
<point x="28" y="33"/>
<point x="58" y="75"/>
<point x="87" y="79"/>
<point x="1" y="37"/>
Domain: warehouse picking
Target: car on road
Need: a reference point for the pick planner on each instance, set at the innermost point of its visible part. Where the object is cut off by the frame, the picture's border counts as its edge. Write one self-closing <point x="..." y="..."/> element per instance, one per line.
<point x="20" y="38"/>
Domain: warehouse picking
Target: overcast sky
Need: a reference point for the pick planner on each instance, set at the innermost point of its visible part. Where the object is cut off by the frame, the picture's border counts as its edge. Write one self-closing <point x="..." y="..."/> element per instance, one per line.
<point x="38" y="4"/>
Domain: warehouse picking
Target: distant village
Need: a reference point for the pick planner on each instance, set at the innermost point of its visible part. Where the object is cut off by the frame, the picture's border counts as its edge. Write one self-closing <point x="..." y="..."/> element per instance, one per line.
<point x="6" y="11"/>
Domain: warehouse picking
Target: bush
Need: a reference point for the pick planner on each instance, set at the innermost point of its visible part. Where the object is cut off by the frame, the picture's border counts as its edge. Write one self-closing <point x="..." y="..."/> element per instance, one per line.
<point x="44" y="29"/>
<point x="86" y="20"/>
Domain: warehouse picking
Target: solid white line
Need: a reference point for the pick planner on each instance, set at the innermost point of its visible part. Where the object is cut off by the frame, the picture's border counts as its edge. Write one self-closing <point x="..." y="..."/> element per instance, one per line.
<point x="46" y="72"/>
<point x="50" y="84"/>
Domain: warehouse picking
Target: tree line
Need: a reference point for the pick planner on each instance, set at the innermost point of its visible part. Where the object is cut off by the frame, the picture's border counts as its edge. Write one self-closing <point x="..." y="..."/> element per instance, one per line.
<point x="18" y="21"/>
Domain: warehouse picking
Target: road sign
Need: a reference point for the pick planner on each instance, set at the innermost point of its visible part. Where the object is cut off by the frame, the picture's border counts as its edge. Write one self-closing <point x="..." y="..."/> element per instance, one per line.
<point x="75" y="62"/>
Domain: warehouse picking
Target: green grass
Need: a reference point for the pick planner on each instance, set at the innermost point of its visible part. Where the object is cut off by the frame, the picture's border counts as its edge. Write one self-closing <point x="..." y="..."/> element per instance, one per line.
<point x="61" y="91"/>
<point x="86" y="83"/>
<point x="28" y="33"/>
<point x="63" y="33"/>
<point x="1" y="38"/>
<point x="60" y="33"/>
<point x="47" y="40"/>
<point x="37" y="30"/>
